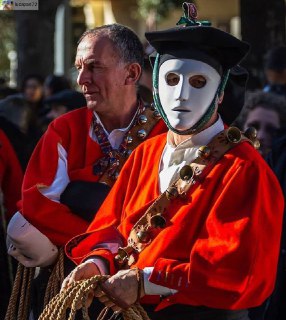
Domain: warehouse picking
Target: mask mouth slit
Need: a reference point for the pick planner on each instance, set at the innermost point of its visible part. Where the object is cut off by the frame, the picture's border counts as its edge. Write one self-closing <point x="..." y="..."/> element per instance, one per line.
<point x="181" y="110"/>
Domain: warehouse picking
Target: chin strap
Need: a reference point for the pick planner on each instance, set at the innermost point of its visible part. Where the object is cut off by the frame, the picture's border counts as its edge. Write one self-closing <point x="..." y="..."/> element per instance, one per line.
<point x="204" y="119"/>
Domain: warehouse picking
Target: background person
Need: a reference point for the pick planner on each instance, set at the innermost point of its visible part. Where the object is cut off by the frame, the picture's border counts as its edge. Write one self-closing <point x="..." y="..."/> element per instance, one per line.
<point x="15" y="150"/>
<point x="32" y="90"/>
<point x="275" y="70"/>
<point x="54" y="84"/>
<point x="61" y="103"/>
<point x="266" y="112"/>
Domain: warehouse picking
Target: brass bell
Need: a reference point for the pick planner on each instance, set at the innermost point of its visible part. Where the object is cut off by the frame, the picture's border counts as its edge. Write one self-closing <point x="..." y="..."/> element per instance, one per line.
<point x="251" y="133"/>
<point x="158" y="221"/>
<point x="233" y="135"/>
<point x="156" y="114"/>
<point x="128" y="139"/>
<point x="143" y="236"/>
<point x="142" y="119"/>
<point x="122" y="256"/>
<point x="141" y="134"/>
<point x="204" y="152"/>
<point x="256" y="144"/>
<point x="172" y="193"/>
<point x="186" y="173"/>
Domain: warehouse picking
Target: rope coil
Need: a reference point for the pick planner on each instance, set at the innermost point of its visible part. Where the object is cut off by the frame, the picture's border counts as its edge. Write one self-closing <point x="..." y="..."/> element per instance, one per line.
<point x="75" y="297"/>
<point x="56" y="278"/>
<point x="19" y="303"/>
<point x="18" y="308"/>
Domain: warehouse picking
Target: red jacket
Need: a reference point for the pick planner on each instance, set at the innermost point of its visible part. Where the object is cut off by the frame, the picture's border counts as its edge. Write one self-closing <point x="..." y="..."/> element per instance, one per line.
<point x="221" y="244"/>
<point x="11" y="175"/>
<point x="71" y="130"/>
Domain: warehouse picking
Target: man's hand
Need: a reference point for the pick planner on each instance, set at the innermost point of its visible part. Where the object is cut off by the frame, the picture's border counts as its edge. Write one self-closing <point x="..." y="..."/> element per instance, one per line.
<point x="121" y="290"/>
<point x="83" y="271"/>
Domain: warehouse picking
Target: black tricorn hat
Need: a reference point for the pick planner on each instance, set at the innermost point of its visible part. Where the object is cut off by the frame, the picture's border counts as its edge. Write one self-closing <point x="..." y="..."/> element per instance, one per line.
<point x="199" y="42"/>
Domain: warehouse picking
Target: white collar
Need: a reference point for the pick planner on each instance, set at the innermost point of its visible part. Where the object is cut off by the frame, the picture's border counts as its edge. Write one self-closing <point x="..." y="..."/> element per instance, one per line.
<point x="114" y="137"/>
<point x="174" y="158"/>
<point x="119" y="129"/>
<point x="201" y="138"/>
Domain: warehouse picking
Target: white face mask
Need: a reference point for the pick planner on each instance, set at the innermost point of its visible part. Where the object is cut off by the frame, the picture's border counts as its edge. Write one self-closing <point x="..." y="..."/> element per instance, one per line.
<point x="28" y="245"/>
<point x="186" y="90"/>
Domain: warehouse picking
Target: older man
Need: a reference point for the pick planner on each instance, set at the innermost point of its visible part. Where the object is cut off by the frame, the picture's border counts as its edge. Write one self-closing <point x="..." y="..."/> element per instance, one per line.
<point x="82" y="152"/>
<point x="200" y="209"/>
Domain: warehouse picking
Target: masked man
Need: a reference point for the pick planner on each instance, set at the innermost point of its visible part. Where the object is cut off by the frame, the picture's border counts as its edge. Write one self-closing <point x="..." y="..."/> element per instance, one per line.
<point x="200" y="216"/>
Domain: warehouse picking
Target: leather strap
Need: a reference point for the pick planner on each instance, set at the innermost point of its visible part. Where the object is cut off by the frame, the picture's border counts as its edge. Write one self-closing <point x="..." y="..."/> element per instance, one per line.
<point x="137" y="134"/>
<point x="141" y="234"/>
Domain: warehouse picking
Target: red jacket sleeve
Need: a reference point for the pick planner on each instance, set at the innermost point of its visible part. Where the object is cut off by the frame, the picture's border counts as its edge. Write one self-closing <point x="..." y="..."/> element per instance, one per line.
<point x="53" y="219"/>
<point x="103" y="228"/>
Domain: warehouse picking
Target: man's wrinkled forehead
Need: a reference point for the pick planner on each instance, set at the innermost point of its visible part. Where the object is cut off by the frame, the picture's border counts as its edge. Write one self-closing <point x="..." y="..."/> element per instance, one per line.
<point x="85" y="45"/>
<point x="99" y="46"/>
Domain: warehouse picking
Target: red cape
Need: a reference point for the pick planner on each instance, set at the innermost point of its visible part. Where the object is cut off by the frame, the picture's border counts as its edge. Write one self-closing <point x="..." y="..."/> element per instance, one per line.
<point x="221" y="244"/>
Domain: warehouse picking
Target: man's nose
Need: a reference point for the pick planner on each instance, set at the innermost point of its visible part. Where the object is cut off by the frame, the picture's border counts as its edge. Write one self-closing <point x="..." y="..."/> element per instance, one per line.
<point x="83" y="77"/>
<point x="182" y="91"/>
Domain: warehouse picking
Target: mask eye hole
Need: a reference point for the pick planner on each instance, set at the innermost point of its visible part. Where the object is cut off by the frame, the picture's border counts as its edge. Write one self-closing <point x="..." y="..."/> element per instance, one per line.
<point x="197" y="81"/>
<point x="172" y="79"/>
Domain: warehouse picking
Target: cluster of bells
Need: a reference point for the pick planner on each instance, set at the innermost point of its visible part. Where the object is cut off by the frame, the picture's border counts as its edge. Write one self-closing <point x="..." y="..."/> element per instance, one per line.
<point x="141" y="133"/>
<point x="111" y="163"/>
<point x="234" y="136"/>
<point x="143" y="235"/>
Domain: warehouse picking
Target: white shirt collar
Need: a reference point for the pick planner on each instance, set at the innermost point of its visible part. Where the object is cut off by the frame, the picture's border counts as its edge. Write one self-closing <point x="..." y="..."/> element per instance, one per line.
<point x="174" y="158"/>
<point x="114" y="137"/>
<point x="201" y="138"/>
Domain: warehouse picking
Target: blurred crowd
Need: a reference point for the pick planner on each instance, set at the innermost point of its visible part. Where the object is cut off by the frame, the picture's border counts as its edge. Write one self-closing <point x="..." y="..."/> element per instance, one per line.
<point x="26" y="113"/>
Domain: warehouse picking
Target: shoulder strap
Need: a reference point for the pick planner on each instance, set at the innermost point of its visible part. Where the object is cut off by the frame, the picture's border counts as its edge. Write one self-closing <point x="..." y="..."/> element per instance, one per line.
<point x="137" y="134"/>
<point x="140" y="235"/>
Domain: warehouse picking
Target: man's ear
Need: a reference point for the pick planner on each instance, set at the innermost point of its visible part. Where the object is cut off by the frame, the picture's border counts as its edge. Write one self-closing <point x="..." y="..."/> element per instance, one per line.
<point x="134" y="72"/>
<point x="221" y="98"/>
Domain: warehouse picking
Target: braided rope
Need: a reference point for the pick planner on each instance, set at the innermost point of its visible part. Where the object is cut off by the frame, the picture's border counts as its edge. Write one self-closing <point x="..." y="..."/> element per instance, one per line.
<point x="56" y="278"/>
<point x="11" y="310"/>
<point x="22" y="295"/>
<point x="75" y="297"/>
<point x="18" y="307"/>
<point x="27" y="293"/>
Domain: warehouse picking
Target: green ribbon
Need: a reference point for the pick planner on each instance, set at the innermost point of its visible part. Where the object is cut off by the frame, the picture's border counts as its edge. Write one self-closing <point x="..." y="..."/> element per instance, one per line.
<point x="191" y="23"/>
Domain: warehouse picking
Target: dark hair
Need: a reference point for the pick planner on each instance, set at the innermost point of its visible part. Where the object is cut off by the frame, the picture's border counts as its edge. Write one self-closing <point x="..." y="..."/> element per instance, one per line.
<point x="37" y="77"/>
<point x="16" y="110"/>
<point x="276" y="59"/>
<point x="57" y="83"/>
<point x="125" y="41"/>
<point x="266" y="100"/>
